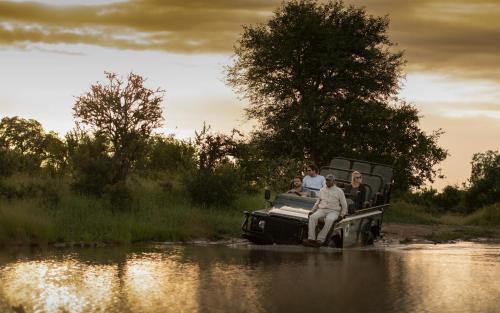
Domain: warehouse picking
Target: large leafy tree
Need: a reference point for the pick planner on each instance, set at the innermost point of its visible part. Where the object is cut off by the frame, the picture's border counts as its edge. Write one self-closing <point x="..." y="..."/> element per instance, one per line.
<point x="484" y="182"/>
<point x="123" y="112"/>
<point x="322" y="81"/>
<point x="25" y="146"/>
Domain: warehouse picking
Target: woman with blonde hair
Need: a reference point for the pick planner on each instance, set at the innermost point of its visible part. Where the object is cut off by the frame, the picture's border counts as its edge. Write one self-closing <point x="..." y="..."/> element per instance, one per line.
<point x="356" y="191"/>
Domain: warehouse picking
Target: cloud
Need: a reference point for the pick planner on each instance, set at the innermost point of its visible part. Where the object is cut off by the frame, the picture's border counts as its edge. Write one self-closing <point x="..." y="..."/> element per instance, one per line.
<point x="177" y="26"/>
<point x="456" y="37"/>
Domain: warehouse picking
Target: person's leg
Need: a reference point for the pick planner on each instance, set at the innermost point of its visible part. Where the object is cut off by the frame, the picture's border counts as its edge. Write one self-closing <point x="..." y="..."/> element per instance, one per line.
<point x="313" y="222"/>
<point x="329" y="219"/>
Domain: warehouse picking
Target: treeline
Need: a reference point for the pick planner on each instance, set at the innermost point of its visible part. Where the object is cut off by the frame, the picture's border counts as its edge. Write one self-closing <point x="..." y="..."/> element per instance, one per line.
<point x="208" y="168"/>
<point x="480" y="190"/>
<point x="213" y="168"/>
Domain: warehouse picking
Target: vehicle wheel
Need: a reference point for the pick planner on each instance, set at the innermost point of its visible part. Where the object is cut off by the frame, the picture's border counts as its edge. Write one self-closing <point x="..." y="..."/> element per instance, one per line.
<point x="368" y="236"/>
<point x="335" y="241"/>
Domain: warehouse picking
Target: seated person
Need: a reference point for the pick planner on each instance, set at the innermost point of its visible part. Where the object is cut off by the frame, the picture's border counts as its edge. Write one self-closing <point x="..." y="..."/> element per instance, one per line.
<point x="330" y="205"/>
<point x="297" y="187"/>
<point x="313" y="181"/>
<point x="356" y="191"/>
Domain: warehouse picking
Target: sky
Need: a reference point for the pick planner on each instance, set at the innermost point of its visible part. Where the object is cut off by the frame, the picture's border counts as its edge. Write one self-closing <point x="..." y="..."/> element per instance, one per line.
<point x="52" y="51"/>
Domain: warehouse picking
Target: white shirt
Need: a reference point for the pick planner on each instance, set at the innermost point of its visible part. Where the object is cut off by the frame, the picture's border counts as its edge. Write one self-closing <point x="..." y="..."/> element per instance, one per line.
<point x="317" y="182"/>
<point x="332" y="198"/>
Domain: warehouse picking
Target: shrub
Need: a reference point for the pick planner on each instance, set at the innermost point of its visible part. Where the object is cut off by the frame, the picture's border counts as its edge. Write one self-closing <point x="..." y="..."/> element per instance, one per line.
<point x="168" y="154"/>
<point x="486" y="216"/>
<point x="92" y="167"/>
<point x="119" y="196"/>
<point x="43" y="188"/>
<point x="214" y="188"/>
<point x="450" y="199"/>
<point x="485" y="180"/>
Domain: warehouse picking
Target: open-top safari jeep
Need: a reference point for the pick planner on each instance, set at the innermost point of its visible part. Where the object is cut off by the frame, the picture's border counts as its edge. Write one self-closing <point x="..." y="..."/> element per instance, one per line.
<point x="286" y="220"/>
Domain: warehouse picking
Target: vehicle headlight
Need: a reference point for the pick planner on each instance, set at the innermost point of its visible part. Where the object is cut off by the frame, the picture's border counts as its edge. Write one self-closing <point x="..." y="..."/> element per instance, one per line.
<point x="262" y="224"/>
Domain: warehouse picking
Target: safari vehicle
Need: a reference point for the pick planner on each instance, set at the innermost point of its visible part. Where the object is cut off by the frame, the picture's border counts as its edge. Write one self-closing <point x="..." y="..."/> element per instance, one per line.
<point x="286" y="220"/>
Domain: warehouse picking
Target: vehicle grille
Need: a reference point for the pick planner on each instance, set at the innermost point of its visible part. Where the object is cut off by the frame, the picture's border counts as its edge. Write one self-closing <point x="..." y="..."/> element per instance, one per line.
<point x="284" y="231"/>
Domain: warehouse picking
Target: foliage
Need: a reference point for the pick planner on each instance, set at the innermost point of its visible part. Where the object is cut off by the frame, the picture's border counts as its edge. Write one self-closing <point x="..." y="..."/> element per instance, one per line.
<point x="89" y="162"/>
<point x="119" y="196"/>
<point x="451" y="199"/>
<point x="125" y="113"/>
<point x="408" y="213"/>
<point x="215" y="149"/>
<point x="41" y="188"/>
<point x="486" y="216"/>
<point x="484" y="183"/>
<point x="166" y="153"/>
<point x="56" y="154"/>
<point x="154" y="216"/>
<point x="321" y="80"/>
<point x="8" y="161"/>
<point x="219" y="187"/>
<point x="25" y="136"/>
<point x="259" y="172"/>
<point x="22" y="144"/>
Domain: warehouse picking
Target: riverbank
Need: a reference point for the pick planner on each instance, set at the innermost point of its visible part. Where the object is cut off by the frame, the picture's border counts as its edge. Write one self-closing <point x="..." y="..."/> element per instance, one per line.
<point x="394" y="233"/>
<point x="159" y="215"/>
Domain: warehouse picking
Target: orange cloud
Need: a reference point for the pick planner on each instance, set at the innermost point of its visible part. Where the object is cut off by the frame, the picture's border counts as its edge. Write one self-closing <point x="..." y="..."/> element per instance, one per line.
<point x="178" y="26"/>
<point x="453" y="36"/>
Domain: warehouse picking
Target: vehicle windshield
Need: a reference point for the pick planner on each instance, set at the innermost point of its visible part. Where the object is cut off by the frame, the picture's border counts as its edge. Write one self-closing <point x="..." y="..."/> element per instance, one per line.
<point x="294" y="201"/>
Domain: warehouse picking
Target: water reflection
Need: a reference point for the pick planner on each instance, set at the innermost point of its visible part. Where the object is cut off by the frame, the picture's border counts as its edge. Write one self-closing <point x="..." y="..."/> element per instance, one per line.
<point x="59" y="286"/>
<point x="154" y="282"/>
<point x="445" y="278"/>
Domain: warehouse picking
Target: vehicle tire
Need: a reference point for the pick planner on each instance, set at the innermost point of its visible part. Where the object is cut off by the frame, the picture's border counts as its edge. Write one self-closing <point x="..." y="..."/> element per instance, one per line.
<point x="367" y="234"/>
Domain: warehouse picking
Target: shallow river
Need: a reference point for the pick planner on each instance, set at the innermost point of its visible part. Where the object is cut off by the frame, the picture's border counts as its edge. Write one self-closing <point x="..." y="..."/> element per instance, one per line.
<point x="462" y="277"/>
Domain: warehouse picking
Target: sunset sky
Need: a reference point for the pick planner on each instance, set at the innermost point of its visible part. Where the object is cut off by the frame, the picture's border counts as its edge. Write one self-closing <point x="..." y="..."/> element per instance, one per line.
<point x="52" y="51"/>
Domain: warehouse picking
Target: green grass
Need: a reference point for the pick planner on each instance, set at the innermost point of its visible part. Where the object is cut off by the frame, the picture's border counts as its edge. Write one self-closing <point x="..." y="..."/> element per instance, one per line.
<point x="407" y="213"/>
<point x="153" y="215"/>
<point x="43" y="210"/>
<point x="484" y="222"/>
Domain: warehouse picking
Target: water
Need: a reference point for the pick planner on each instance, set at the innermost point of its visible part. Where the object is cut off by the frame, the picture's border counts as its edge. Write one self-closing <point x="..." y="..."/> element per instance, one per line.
<point x="463" y="277"/>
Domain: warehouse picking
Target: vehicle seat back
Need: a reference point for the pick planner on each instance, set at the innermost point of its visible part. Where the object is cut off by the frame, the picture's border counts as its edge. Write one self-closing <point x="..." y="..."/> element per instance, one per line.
<point x="341" y="163"/>
<point x="362" y="167"/>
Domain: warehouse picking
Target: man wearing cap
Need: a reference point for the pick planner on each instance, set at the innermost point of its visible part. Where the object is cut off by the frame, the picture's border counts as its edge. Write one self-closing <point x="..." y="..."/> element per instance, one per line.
<point x="331" y="203"/>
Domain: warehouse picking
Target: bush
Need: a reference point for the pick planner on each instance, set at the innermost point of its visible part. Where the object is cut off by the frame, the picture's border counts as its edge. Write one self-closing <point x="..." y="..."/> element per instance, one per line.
<point x="450" y="199"/>
<point x="92" y="167"/>
<point x="214" y="188"/>
<point x="168" y="154"/>
<point x="485" y="180"/>
<point x="424" y="198"/>
<point x="119" y="196"/>
<point x="487" y="216"/>
<point x="45" y="189"/>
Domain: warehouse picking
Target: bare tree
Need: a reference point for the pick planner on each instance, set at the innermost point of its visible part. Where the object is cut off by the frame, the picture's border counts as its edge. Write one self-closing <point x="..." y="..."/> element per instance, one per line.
<point x="125" y="112"/>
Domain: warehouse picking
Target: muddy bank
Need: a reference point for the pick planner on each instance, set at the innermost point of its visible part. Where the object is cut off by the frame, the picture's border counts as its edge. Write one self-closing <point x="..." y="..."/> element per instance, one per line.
<point x="436" y="233"/>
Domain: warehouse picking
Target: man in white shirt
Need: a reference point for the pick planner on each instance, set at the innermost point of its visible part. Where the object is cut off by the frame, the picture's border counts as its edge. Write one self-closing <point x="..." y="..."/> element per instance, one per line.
<point x="313" y="181"/>
<point x="330" y="205"/>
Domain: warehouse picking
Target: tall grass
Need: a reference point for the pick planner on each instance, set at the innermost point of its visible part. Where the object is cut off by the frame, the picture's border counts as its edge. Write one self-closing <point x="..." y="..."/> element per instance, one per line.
<point x="42" y="210"/>
<point x="157" y="213"/>
<point x="403" y="212"/>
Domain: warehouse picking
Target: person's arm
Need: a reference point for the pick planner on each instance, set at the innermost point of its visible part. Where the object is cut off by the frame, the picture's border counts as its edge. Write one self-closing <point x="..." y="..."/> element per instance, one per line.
<point x="343" y="204"/>
<point x="316" y="204"/>
<point x="315" y="207"/>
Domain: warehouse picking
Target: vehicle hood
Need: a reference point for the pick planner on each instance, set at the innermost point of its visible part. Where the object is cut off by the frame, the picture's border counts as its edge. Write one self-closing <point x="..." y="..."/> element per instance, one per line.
<point x="287" y="211"/>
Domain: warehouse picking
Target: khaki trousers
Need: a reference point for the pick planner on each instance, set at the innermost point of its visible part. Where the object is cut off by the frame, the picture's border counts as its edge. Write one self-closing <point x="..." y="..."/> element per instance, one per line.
<point x="330" y="216"/>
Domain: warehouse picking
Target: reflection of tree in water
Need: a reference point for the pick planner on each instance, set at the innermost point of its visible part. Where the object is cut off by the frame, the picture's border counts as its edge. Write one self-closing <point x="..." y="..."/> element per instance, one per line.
<point x="249" y="279"/>
<point x="257" y="280"/>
